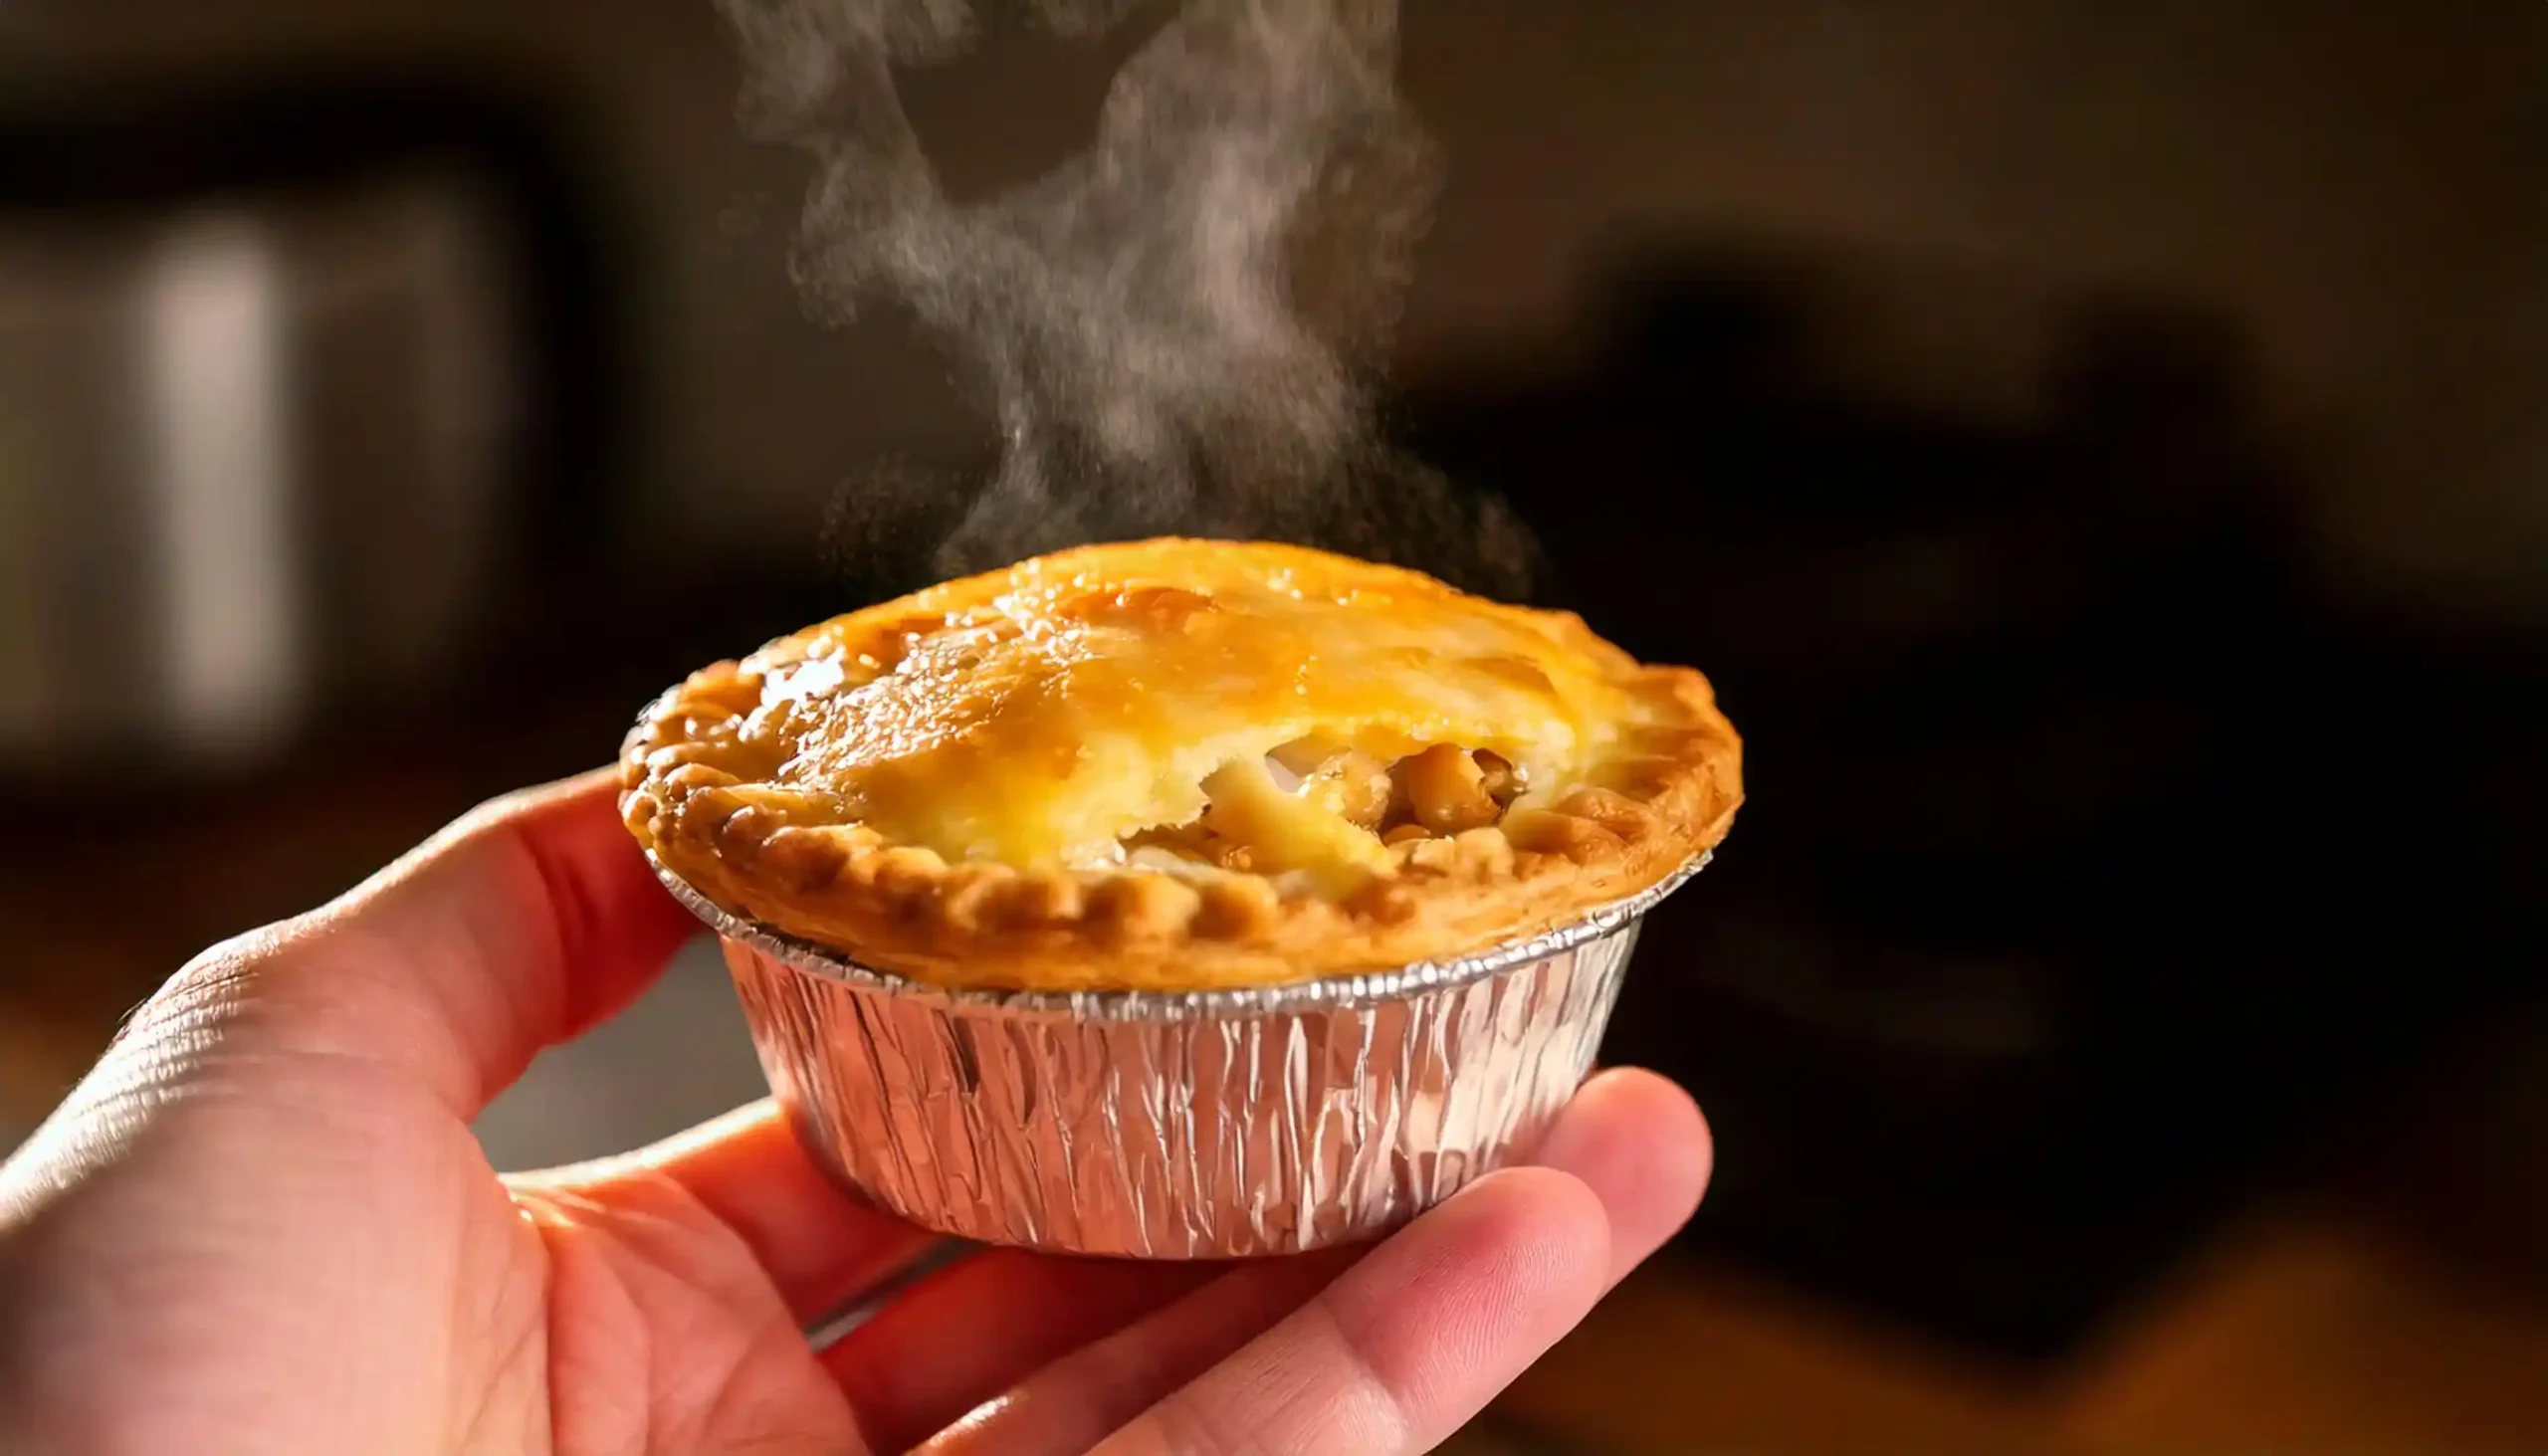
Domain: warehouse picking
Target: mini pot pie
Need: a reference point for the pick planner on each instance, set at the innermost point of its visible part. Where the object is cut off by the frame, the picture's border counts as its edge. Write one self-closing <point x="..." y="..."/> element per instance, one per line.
<point x="1178" y="766"/>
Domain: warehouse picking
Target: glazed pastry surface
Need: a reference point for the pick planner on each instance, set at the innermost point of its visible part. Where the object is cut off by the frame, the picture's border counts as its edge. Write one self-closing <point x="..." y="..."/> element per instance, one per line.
<point x="1178" y="764"/>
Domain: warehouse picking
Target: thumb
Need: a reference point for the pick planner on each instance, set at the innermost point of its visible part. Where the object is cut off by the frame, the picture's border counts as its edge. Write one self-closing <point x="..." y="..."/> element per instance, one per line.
<point x="519" y="926"/>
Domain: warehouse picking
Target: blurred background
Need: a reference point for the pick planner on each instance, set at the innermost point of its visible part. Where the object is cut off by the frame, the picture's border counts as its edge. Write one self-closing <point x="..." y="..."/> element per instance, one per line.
<point x="2099" y="452"/>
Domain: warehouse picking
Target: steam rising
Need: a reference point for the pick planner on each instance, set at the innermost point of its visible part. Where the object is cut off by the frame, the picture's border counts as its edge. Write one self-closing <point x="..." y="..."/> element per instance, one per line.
<point x="1179" y="329"/>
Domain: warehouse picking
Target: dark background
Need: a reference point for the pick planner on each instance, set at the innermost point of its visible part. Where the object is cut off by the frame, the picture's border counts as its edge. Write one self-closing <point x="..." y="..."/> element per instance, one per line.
<point x="2096" y="451"/>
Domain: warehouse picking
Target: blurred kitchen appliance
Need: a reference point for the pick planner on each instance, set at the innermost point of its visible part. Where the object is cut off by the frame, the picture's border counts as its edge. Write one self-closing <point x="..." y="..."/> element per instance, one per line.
<point x="250" y="460"/>
<point x="298" y="373"/>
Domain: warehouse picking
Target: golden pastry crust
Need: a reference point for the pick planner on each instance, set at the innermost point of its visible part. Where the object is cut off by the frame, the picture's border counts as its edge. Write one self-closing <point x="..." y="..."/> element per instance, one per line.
<point x="1178" y="766"/>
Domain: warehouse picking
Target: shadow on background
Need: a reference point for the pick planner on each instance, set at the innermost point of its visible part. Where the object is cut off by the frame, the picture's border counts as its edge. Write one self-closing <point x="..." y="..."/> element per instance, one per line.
<point x="2100" y="866"/>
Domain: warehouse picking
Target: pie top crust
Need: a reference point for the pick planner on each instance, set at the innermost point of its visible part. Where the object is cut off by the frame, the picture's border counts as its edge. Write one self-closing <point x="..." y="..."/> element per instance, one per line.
<point x="1178" y="766"/>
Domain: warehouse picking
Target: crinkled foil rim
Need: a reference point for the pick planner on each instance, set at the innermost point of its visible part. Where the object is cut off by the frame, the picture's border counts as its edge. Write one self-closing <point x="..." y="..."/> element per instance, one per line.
<point x="1364" y="988"/>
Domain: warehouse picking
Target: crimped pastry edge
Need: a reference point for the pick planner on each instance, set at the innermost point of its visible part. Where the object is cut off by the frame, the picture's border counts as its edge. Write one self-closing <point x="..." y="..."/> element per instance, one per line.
<point x="985" y="926"/>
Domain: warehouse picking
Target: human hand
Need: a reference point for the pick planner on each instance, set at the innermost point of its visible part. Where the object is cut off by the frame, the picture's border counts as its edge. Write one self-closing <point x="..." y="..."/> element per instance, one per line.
<point x="261" y="1224"/>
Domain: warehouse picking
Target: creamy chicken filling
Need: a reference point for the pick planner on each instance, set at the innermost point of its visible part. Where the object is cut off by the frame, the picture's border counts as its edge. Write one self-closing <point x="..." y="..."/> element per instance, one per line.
<point x="1318" y="806"/>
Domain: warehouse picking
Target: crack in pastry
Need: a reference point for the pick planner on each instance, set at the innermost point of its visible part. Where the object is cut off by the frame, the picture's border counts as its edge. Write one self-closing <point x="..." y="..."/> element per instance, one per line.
<point x="1182" y="765"/>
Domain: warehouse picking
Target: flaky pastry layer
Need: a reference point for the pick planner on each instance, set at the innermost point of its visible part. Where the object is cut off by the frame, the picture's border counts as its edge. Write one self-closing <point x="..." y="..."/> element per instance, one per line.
<point x="1178" y="766"/>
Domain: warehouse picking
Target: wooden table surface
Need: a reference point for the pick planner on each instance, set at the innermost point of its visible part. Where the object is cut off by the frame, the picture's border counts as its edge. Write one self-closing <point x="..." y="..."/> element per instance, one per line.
<point x="2298" y="1332"/>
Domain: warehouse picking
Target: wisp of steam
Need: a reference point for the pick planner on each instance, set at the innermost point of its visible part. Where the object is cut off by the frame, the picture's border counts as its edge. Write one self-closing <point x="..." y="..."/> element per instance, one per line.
<point x="1178" y="331"/>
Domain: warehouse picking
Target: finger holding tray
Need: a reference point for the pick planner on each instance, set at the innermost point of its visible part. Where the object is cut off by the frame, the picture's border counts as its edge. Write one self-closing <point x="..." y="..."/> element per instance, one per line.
<point x="1178" y="898"/>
